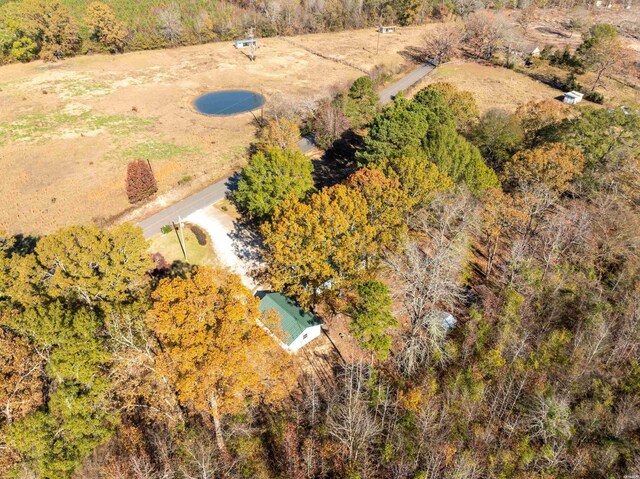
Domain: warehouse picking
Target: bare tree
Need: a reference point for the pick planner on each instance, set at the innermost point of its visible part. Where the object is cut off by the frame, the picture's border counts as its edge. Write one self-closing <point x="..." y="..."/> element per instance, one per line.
<point x="351" y="419"/>
<point x="170" y="22"/>
<point x="429" y="275"/>
<point x="526" y="17"/>
<point x="330" y="124"/>
<point x="549" y="418"/>
<point x="467" y="7"/>
<point x="485" y="33"/>
<point x="443" y="43"/>
<point x="202" y="459"/>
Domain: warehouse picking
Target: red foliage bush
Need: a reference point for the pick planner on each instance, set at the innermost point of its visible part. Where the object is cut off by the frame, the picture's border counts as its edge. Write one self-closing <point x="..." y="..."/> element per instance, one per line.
<point x="141" y="183"/>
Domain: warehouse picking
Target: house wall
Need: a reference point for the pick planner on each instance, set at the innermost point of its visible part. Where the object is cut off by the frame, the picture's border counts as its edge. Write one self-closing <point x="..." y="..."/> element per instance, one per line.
<point x="312" y="333"/>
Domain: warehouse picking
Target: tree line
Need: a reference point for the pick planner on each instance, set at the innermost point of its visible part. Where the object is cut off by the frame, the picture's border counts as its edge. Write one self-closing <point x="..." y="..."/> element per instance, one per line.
<point x="56" y="29"/>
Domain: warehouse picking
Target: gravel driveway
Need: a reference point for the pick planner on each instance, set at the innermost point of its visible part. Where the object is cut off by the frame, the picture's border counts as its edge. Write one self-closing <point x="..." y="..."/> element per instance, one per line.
<point x="220" y="228"/>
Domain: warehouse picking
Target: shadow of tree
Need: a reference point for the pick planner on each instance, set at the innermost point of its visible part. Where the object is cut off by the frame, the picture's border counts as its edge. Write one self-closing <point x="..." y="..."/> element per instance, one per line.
<point x="413" y="54"/>
<point x="23" y="245"/>
<point x="162" y="270"/>
<point x="337" y="164"/>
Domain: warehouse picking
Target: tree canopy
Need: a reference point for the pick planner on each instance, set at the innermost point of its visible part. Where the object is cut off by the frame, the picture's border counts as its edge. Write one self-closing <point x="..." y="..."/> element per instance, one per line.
<point x="425" y="127"/>
<point x="462" y="104"/>
<point x="214" y="351"/>
<point x="601" y="50"/>
<point x="371" y="318"/>
<point x="270" y="177"/>
<point x="553" y="165"/>
<point x="498" y="135"/>
<point x="361" y="103"/>
<point x="316" y="247"/>
<point x="105" y="29"/>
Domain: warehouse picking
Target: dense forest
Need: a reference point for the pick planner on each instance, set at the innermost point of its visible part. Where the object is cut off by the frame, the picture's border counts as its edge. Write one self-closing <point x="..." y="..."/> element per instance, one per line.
<point x="524" y="226"/>
<point x="54" y="29"/>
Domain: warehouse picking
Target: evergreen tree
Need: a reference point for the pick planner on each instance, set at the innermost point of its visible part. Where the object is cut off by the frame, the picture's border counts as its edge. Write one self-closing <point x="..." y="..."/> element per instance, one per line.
<point x="371" y="318"/>
<point x="460" y="160"/>
<point x="362" y="102"/>
<point x="271" y="176"/>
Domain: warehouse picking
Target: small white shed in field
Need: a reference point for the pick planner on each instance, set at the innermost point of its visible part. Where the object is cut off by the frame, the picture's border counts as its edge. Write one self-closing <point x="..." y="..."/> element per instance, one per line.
<point x="573" y="97"/>
<point x="247" y="42"/>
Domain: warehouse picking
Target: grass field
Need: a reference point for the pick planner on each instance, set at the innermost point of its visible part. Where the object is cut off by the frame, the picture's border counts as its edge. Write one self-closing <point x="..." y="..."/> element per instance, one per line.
<point x="168" y="245"/>
<point x="496" y="87"/>
<point x="68" y="129"/>
<point x="492" y="87"/>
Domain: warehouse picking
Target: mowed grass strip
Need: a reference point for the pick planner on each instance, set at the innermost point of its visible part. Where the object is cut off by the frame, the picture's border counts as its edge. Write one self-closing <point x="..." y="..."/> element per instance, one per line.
<point x="40" y="127"/>
<point x="158" y="150"/>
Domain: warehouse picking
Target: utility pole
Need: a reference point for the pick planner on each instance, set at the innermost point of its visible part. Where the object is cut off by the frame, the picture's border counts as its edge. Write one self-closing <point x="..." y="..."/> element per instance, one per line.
<point x="184" y="245"/>
<point x="180" y="236"/>
<point x="379" y="30"/>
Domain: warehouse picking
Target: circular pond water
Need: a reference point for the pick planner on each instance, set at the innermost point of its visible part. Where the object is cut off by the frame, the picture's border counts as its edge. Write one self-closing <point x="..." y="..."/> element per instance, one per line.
<point x="228" y="102"/>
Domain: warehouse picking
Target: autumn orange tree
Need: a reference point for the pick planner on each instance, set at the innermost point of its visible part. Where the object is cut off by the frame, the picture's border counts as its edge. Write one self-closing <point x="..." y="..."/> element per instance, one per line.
<point x="419" y="178"/>
<point x="554" y="165"/>
<point x="52" y="27"/>
<point x="104" y="28"/>
<point x="337" y="237"/>
<point x="536" y="116"/>
<point x="387" y="206"/>
<point x="501" y="216"/>
<point x="212" y="347"/>
<point x="461" y="103"/>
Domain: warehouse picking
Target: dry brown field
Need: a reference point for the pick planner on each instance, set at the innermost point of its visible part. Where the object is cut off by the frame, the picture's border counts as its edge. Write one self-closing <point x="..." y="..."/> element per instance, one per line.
<point x="68" y="129"/>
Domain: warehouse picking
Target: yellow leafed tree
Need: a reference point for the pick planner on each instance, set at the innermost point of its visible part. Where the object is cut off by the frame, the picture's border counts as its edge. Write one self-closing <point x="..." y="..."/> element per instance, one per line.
<point x="213" y="349"/>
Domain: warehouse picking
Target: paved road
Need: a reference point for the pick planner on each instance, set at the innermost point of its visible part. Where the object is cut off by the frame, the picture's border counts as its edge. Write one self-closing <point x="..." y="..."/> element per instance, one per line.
<point x="218" y="191"/>
<point x="410" y="79"/>
<point x="202" y="199"/>
<point x="211" y="194"/>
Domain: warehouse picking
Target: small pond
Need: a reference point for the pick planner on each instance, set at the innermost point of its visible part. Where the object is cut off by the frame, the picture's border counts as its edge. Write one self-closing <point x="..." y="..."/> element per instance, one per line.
<point x="228" y="102"/>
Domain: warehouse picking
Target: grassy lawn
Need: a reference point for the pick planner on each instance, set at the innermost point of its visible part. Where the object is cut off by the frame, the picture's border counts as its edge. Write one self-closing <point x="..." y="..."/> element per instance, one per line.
<point x="40" y="127"/>
<point x="169" y="247"/>
<point x="228" y="208"/>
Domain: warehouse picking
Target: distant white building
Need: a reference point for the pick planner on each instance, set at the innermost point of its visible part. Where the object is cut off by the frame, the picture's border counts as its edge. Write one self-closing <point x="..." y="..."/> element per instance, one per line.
<point x="247" y="42"/>
<point x="535" y="52"/>
<point x="573" y="97"/>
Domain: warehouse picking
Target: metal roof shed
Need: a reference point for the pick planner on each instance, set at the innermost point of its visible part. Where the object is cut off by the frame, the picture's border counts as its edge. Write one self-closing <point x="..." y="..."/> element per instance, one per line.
<point x="299" y="326"/>
<point x="573" y="97"/>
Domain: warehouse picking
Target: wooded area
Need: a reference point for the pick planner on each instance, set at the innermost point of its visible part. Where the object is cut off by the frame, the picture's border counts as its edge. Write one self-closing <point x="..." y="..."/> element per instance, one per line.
<point x="55" y="29"/>
<point x="116" y="367"/>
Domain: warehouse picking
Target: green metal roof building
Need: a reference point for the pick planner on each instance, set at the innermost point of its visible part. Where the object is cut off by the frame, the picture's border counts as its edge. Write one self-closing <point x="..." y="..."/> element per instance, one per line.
<point x="299" y="326"/>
